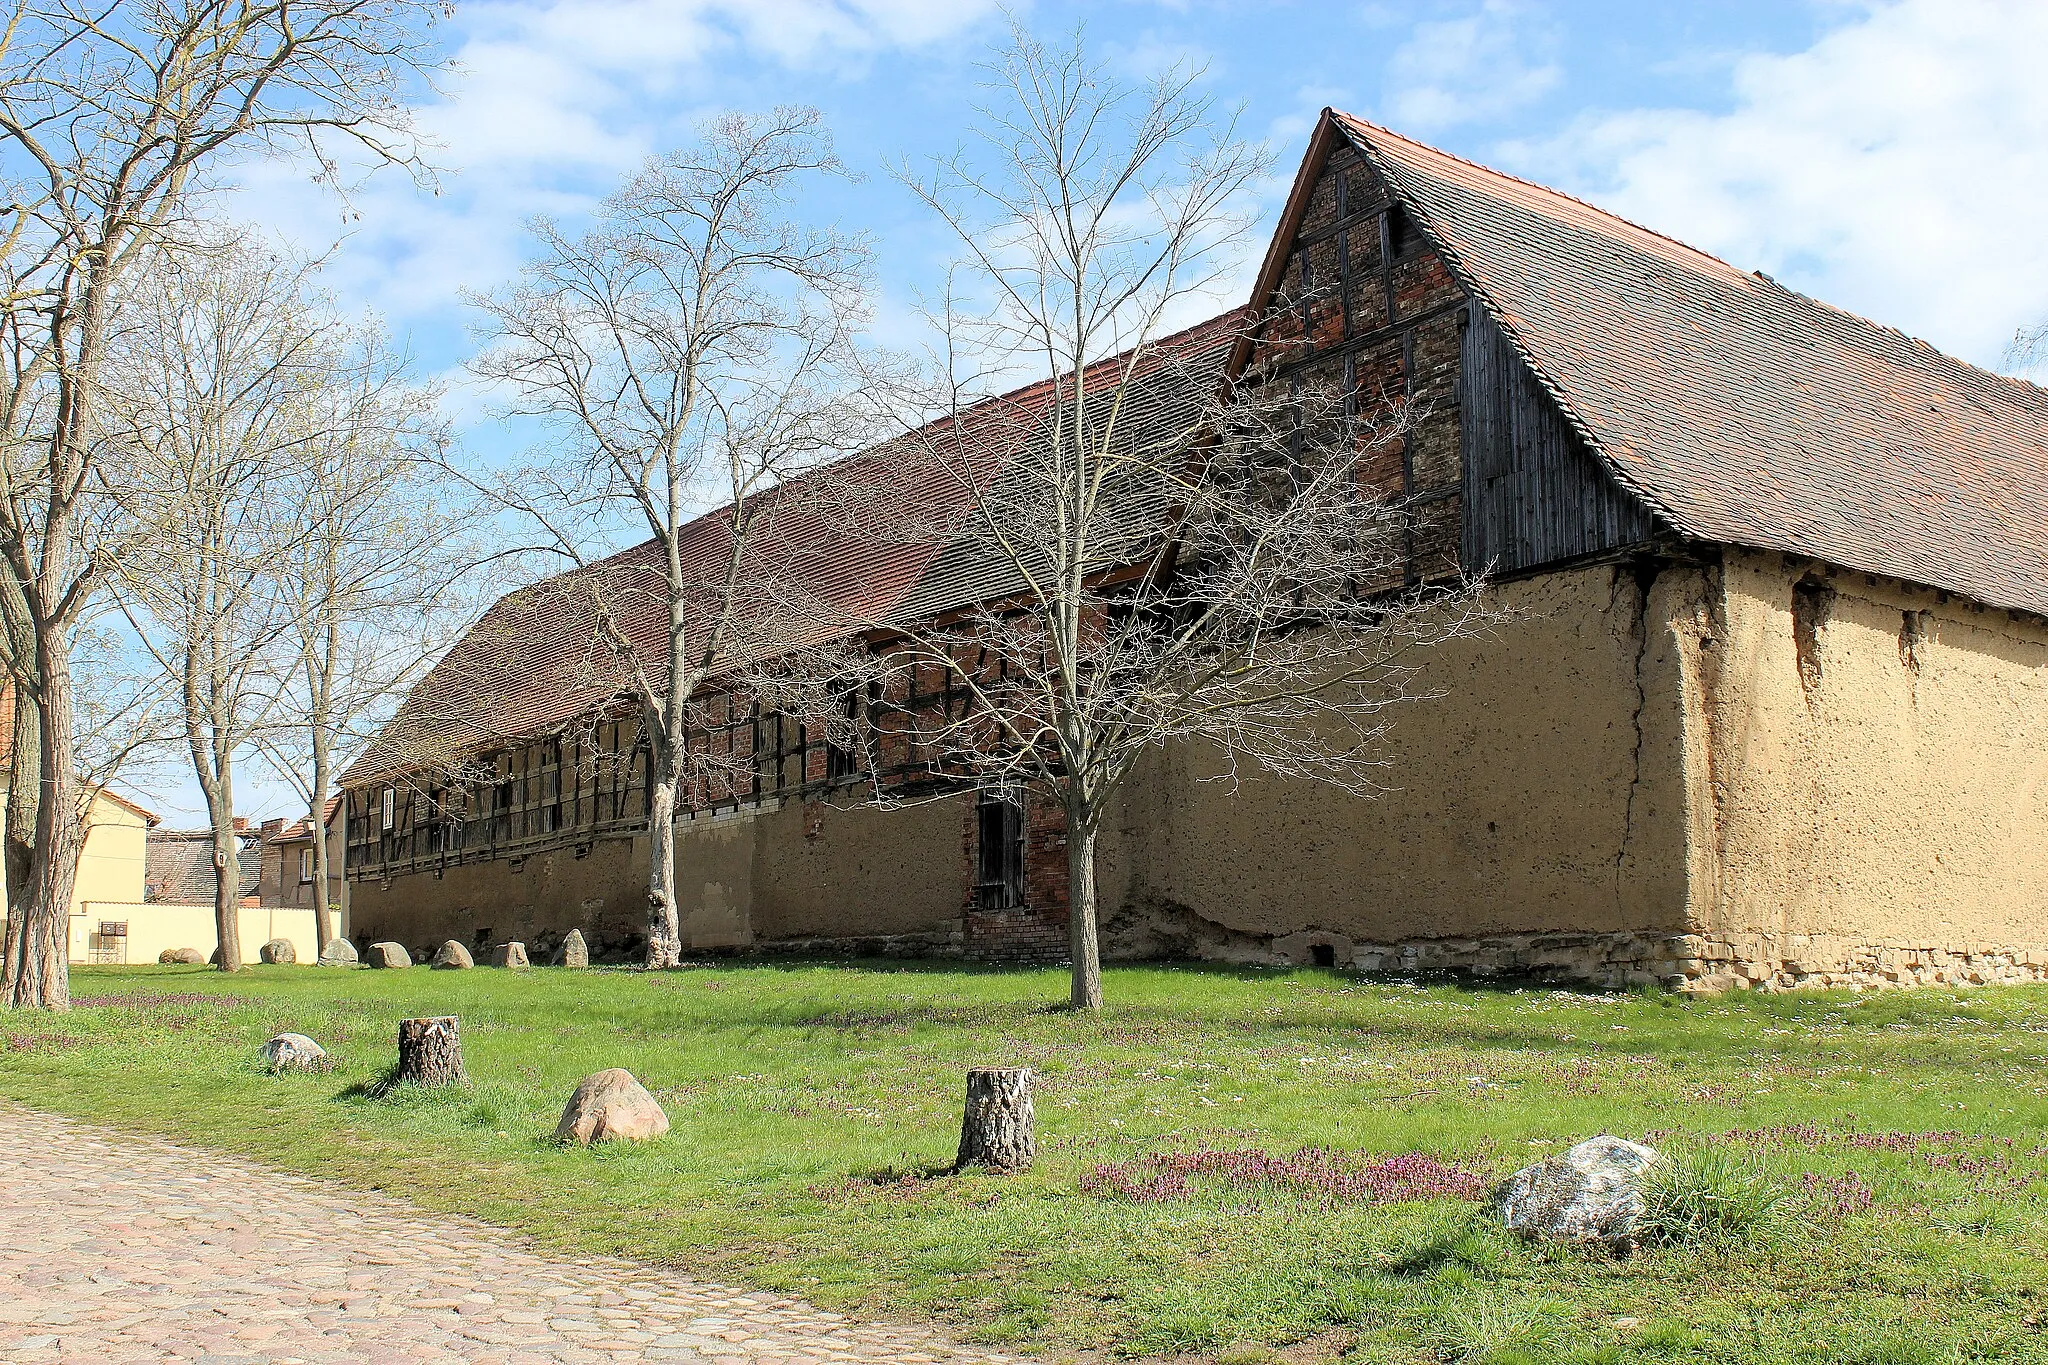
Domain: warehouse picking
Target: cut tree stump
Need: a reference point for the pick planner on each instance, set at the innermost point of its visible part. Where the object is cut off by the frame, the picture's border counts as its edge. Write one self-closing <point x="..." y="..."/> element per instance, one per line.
<point x="429" y="1052"/>
<point x="997" y="1129"/>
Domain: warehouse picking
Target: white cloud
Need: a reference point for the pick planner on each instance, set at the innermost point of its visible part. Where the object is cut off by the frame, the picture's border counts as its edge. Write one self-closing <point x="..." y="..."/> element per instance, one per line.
<point x="1482" y="66"/>
<point x="1898" y="167"/>
<point x="551" y="102"/>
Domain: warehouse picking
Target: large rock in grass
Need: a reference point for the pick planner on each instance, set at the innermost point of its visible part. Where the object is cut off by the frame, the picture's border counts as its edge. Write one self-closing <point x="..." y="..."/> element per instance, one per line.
<point x="611" y="1107"/>
<point x="389" y="954"/>
<point x="453" y="957"/>
<point x="1588" y="1194"/>
<point x="190" y="957"/>
<point x="293" y="1052"/>
<point x="574" y="952"/>
<point x="338" y="953"/>
<point x="279" y="952"/>
<point x="511" y="955"/>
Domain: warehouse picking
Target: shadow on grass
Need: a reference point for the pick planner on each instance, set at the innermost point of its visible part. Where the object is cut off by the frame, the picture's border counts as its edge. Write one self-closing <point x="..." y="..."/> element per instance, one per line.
<point x="1469" y="1243"/>
<point x="386" y="1085"/>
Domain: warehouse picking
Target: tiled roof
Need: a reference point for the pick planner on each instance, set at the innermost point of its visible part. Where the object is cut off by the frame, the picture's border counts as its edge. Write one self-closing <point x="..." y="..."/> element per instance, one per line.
<point x="177" y="866"/>
<point x="1737" y="409"/>
<point x="527" y="667"/>
<point x="302" y="828"/>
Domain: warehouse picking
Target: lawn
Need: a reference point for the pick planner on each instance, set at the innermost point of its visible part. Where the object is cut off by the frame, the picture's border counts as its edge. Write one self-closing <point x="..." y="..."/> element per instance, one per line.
<point x="815" y="1107"/>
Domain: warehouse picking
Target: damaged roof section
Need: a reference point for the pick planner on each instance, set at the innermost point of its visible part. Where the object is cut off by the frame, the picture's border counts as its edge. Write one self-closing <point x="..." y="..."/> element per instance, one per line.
<point x="1739" y="410"/>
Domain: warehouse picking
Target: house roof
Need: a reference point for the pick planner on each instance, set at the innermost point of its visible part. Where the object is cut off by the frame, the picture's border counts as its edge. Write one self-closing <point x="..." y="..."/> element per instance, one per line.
<point x="302" y="828"/>
<point x="177" y="866"/>
<point x="1739" y="410"/>
<point x="149" y="816"/>
<point x="530" y="665"/>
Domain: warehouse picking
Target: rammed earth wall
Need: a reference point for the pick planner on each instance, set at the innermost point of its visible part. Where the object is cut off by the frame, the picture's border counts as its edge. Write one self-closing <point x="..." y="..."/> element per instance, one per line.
<point x="1779" y="776"/>
<point x="1715" y="773"/>
<point x="1868" y="781"/>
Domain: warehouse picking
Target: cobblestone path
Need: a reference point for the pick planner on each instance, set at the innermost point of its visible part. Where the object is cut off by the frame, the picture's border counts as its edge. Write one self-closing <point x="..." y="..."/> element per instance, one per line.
<point x="122" y="1248"/>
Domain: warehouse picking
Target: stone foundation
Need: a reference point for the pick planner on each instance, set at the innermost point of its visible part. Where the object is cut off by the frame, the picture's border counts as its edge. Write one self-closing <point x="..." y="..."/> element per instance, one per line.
<point x="1687" y="962"/>
<point x="1791" y="961"/>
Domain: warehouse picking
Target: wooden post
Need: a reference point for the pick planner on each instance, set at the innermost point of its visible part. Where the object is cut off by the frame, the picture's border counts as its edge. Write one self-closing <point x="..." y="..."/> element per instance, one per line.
<point x="429" y="1052"/>
<point x="997" y="1130"/>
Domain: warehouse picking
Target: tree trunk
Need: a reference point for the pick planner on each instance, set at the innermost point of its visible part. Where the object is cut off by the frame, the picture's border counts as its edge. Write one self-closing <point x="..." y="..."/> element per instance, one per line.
<point x="997" y="1130"/>
<point x="323" y="690"/>
<point x="24" y="783"/>
<point x="38" y="966"/>
<point x="430" y="1052"/>
<point x="227" y="859"/>
<point x="323" y="909"/>
<point x="664" y="930"/>
<point x="227" y="897"/>
<point x="1087" y="950"/>
<point x="24" y="790"/>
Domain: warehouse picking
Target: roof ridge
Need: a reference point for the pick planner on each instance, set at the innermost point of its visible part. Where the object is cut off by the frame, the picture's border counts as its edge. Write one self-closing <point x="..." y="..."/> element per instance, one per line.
<point x="1758" y="275"/>
<point x="1547" y="191"/>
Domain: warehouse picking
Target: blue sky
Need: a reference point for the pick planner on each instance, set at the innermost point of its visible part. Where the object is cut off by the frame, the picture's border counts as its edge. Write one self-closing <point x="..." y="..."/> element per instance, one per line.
<point x="1890" y="158"/>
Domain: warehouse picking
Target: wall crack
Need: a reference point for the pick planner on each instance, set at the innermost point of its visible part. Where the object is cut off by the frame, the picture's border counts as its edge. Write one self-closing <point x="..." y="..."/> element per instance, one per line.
<point x="1643" y="574"/>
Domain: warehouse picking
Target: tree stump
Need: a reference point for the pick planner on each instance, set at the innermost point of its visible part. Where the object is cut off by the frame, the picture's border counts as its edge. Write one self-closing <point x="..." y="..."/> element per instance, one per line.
<point x="429" y="1052"/>
<point x="997" y="1130"/>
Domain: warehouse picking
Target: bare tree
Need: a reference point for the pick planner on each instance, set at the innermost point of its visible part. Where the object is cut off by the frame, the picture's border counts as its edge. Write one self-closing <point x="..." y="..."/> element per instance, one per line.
<point x="687" y="352"/>
<point x="367" y="581"/>
<point x="2026" y="349"/>
<point x="1174" y="559"/>
<point x="112" y="117"/>
<point x="218" y="376"/>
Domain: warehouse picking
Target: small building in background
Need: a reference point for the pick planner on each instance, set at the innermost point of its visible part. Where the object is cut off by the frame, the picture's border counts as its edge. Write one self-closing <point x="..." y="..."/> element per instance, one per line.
<point x="178" y="911"/>
<point x="287" y="866"/>
<point x="180" y="870"/>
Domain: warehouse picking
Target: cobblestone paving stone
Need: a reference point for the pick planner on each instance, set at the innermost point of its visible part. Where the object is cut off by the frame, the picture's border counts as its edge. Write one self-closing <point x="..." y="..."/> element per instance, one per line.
<point x="119" y="1248"/>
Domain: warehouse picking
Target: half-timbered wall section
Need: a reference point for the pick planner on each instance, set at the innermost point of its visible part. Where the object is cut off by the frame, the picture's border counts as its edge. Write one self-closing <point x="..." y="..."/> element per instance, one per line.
<point x="1534" y="494"/>
<point x="586" y="783"/>
<point x="1365" y="303"/>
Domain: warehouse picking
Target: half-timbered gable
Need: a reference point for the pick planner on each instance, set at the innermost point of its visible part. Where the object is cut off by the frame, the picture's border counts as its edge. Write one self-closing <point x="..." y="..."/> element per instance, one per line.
<point x="1354" y="298"/>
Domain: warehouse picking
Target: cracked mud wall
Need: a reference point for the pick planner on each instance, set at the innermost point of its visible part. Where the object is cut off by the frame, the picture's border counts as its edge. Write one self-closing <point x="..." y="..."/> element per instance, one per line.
<point x="603" y="893"/>
<point x="804" y="871"/>
<point x="1543" y="792"/>
<point x="855" y="878"/>
<point x="1877" y="767"/>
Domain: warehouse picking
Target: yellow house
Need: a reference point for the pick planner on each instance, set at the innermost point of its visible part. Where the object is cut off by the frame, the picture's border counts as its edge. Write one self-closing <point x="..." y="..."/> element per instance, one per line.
<point x="109" y="879"/>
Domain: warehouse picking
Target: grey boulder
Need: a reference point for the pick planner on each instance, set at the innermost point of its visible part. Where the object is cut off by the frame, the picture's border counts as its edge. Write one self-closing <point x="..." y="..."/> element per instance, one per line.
<point x="293" y="1052"/>
<point x="453" y="957"/>
<point x="611" y="1106"/>
<point x="338" y="953"/>
<point x="389" y="954"/>
<point x="190" y="957"/>
<point x="574" y="952"/>
<point x="509" y="955"/>
<point x="1588" y="1194"/>
<point x="279" y="952"/>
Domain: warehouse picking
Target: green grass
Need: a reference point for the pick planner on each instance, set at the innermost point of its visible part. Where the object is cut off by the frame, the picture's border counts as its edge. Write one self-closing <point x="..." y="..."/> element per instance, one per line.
<point x="814" y="1105"/>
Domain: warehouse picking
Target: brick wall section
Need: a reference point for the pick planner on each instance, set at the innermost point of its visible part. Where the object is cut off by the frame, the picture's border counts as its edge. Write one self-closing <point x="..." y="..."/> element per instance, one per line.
<point x="1037" y="930"/>
<point x="1364" y="290"/>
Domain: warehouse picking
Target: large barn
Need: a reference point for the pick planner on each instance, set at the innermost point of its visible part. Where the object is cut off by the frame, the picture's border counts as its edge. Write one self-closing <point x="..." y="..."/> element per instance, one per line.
<point x="1770" y="706"/>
